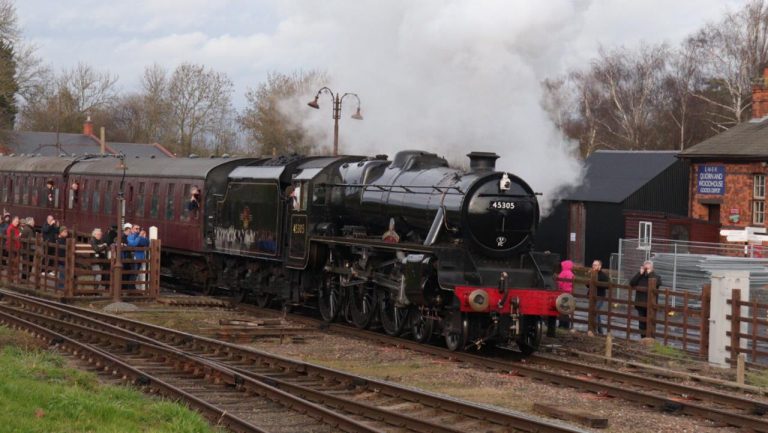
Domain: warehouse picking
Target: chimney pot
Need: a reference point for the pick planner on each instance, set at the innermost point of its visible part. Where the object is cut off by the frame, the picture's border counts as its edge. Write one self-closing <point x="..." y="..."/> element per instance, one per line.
<point x="88" y="126"/>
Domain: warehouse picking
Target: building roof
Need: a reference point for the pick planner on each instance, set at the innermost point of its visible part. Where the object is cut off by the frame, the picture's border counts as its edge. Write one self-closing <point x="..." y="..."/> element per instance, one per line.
<point x="53" y="144"/>
<point x="747" y="140"/>
<point x="614" y="175"/>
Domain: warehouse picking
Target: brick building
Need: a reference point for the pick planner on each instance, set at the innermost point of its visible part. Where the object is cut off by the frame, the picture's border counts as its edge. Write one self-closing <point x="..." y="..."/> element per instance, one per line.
<point x="728" y="171"/>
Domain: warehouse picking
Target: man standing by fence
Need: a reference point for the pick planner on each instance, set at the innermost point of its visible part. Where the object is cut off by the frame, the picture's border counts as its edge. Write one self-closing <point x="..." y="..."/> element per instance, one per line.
<point x="641" y="281"/>
<point x="598" y="281"/>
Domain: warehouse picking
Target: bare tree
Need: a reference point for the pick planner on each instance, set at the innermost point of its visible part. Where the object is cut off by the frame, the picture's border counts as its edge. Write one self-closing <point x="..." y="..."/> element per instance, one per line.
<point x="197" y="97"/>
<point x="265" y="120"/>
<point x="61" y="103"/>
<point x="732" y="52"/>
<point x="9" y="23"/>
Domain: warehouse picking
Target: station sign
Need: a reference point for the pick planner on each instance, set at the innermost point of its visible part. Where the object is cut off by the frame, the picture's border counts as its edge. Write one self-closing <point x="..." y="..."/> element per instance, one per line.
<point x="711" y="179"/>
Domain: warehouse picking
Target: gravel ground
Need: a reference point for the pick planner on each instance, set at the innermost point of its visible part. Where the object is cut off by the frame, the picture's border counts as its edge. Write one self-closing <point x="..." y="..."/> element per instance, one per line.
<point x="447" y="377"/>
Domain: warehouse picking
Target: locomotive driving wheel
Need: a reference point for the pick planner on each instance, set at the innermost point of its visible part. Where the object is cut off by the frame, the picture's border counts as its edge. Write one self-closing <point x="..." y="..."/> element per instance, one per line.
<point x="330" y="299"/>
<point x="421" y="326"/>
<point x="457" y="339"/>
<point x="393" y="318"/>
<point x="532" y="329"/>
<point x="362" y="306"/>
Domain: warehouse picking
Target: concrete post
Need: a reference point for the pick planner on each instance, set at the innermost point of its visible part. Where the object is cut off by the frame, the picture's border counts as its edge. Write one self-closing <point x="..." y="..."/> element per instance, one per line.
<point x="723" y="282"/>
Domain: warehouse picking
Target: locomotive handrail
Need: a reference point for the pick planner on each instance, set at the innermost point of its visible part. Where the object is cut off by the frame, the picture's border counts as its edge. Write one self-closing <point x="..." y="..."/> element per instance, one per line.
<point x="407" y="188"/>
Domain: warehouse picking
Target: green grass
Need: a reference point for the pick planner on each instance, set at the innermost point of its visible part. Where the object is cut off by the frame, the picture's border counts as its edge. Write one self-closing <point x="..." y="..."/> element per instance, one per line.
<point x="757" y="378"/>
<point x="667" y="351"/>
<point x="38" y="394"/>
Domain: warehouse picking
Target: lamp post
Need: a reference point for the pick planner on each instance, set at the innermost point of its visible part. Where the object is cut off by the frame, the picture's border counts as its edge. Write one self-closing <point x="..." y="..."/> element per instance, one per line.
<point x="337" y="100"/>
<point x="117" y="276"/>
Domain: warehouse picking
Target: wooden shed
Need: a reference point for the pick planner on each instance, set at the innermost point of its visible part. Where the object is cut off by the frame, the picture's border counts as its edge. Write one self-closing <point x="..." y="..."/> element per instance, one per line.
<point x="589" y="222"/>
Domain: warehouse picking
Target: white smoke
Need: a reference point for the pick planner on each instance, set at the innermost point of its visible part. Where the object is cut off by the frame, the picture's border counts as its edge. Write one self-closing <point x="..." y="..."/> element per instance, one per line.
<point x="445" y="76"/>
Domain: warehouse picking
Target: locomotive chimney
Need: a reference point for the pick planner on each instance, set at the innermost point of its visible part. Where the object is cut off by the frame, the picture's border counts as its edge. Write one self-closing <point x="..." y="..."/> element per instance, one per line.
<point x="482" y="161"/>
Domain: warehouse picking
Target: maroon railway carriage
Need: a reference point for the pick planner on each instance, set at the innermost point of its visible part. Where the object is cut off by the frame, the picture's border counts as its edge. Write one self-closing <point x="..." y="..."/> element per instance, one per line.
<point x="156" y="193"/>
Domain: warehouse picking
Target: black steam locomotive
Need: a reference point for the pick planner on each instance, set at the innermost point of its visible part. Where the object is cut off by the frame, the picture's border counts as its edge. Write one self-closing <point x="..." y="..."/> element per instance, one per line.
<point x="410" y="245"/>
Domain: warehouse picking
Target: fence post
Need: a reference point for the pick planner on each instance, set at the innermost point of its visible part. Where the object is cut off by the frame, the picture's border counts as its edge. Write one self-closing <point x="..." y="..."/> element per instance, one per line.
<point x="735" y="323"/>
<point x="650" y="313"/>
<point x="591" y="313"/>
<point x="3" y="259"/>
<point x="37" y="261"/>
<point x="706" y="294"/>
<point x="69" y="268"/>
<point x="154" y="268"/>
<point x="740" y="361"/>
<point x="117" y="274"/>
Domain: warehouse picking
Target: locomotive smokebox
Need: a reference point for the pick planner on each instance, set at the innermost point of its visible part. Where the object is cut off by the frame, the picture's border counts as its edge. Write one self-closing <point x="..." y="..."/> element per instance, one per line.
<point x="482" y="161"/>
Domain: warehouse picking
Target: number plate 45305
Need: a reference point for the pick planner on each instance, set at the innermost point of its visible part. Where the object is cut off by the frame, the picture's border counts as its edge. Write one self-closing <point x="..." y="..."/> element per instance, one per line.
<point x="498" y="204"/>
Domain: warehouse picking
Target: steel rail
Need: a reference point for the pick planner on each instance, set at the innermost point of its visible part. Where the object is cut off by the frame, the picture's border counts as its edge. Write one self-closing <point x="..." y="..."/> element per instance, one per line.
<point x="218" y="371"/>
<point x="618" y="391"/>
<point x="137" y="377"/>
<point x="753" y="407"/>
<point x="228" y="350"/>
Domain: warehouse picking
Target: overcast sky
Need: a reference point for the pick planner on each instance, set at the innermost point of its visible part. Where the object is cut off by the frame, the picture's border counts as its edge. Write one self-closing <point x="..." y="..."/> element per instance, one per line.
<point x="249" y="38"/>
<point x="443" y="75"/>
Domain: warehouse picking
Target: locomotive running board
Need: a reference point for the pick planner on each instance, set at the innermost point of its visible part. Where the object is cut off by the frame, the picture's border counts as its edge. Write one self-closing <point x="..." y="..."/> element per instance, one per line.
<point x="336" y="240"/>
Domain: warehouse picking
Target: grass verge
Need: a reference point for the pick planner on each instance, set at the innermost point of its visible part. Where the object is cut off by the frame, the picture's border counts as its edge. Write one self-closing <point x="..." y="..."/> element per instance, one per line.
<point x="39" y="394"/>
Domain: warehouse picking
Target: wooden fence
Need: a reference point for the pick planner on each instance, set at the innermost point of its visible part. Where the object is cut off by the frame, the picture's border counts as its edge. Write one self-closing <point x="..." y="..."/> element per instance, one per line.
<point x="678" y="317"/>
<point x="749" y="326"/>
<point x="70" y="269"/>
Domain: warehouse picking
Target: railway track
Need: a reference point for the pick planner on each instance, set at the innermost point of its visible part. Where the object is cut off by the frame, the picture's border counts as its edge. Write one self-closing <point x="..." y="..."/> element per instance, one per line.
<point x="236" y="386"/>
<point x="664" y="395"/>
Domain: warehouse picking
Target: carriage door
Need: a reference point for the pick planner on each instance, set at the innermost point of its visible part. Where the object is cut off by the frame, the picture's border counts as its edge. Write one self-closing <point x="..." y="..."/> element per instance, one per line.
<point x="297" y="242"/>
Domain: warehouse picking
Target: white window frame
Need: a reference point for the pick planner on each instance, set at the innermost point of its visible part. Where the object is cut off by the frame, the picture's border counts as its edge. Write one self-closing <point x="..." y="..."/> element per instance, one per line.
<point x="758" y="199"/>
<point x="644" y="234"/>
<point x="758" y="212"/>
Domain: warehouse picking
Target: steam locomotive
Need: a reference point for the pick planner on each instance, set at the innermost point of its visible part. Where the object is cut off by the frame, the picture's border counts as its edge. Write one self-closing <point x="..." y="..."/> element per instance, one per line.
<point x="411" y="245"/>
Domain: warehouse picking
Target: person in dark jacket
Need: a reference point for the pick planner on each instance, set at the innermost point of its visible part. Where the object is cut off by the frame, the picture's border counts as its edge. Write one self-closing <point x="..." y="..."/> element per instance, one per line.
<point x="28" y="244"/>
<point x="61" y="253"/>
<point x="50" y="233"/>
<point x="6" y="222"/>
<point x="641" y="280"/>
<point x="111" y="235"/>
<point x="100" y="249"/>
<point x="597" y="274"/>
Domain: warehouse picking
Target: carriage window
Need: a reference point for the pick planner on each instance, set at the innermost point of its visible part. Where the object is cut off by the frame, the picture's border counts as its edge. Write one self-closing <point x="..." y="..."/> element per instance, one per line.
<point x="74" y="195"/>
<point x="140" y="201"/>
<point x="83" y="192"/>
<point x="108" y="198"/>
<point x="153" y="209"/>
<point x="185" y="204"/>
<point x="9" y="190"/>
<point x="169" y="203"/>
<point x="25" y="190"/>
<point x="34" y="193"/>
<point x="17" y="191"/>
<point x="95" y="202"/>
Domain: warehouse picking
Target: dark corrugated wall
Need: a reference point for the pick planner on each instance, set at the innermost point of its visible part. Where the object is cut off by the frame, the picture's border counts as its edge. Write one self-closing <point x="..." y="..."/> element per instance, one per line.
<point x="605" y="225"/>
<point x="668" y="192"/>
